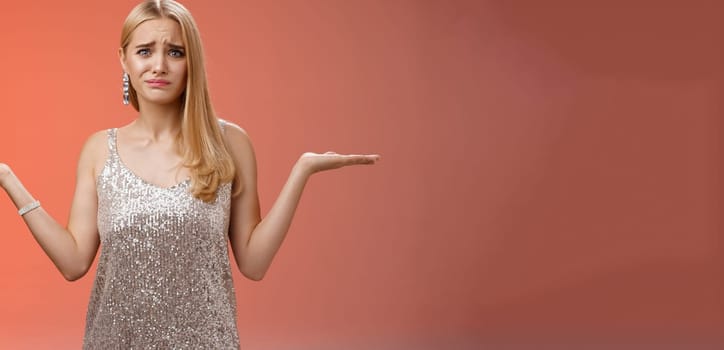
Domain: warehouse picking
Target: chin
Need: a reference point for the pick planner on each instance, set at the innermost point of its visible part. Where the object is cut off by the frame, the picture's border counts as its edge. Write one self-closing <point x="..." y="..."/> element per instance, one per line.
<point x="163" y="100"/>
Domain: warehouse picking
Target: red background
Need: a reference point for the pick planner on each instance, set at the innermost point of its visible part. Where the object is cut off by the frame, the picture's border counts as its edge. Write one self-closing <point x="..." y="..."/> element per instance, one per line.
<point x="551" y="170"/>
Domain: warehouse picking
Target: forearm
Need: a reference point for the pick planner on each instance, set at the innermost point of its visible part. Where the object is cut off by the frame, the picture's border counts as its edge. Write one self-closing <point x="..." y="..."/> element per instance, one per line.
<point x="256" y="241"/>
<point x="269" y="234"/>
<point x="55" y="240"/>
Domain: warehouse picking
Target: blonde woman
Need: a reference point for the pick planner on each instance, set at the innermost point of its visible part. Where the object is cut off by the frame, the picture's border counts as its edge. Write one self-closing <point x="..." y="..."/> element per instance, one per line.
<point x="161" y="195"/>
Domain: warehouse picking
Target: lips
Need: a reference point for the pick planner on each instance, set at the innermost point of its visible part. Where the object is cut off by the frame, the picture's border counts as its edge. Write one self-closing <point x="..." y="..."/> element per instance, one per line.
<point x="157" y="82"/>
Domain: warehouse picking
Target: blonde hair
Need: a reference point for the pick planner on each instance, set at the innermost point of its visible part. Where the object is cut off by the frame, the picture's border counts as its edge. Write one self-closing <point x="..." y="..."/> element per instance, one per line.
<point x="201" y="141"/>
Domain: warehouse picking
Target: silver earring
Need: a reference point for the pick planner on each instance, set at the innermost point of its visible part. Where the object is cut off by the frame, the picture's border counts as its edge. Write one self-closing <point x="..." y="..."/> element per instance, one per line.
<point x="125" y="88"/>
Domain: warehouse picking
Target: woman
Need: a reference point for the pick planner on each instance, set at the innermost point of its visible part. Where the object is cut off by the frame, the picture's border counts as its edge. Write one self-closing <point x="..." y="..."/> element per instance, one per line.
<point x="160" y="195"/>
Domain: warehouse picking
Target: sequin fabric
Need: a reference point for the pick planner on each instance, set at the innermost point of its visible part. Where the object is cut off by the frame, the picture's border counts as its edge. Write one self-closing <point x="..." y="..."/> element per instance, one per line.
<point x="163" y="279"/>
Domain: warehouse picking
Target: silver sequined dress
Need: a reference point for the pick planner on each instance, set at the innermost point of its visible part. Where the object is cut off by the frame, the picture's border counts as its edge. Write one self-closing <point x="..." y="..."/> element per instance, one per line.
<point x="163" y="279"/>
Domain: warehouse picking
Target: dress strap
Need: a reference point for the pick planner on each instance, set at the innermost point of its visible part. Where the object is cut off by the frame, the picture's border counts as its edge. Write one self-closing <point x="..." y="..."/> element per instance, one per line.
<point x="112" y="142"/>
<point x="222" y="124"/>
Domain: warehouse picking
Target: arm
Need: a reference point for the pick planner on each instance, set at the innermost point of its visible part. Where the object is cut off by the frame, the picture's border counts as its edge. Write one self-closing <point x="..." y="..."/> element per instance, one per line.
<point x="254" y="241"/>
<point x="71" y="249"/>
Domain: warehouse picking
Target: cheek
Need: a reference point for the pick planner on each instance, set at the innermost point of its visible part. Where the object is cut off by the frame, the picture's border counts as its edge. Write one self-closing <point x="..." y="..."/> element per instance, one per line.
<point x="183" y="71"/>
<point x="135" y="67"/>
<point x="182" y="75"/>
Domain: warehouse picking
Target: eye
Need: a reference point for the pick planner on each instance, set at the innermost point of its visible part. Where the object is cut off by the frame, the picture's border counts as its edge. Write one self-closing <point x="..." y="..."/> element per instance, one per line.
<point x="176" y="53"/>
<point x="143" y="52"/>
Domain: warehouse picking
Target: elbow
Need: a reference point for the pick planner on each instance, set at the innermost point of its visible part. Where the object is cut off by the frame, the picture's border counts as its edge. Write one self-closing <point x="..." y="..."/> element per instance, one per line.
<point x="253" y="275"/>
<point x="255" y="278"/>
<point x="72" y="275"/>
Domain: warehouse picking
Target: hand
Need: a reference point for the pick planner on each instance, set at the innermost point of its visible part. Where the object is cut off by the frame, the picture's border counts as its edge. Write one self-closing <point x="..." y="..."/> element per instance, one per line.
<point x="315" y="162"/>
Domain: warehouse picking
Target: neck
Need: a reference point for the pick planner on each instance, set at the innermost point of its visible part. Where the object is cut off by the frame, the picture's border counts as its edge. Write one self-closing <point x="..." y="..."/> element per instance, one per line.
<point x="159" y="121"/>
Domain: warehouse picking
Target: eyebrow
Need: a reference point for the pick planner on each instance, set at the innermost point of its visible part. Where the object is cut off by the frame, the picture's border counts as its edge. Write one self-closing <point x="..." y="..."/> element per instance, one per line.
<point x="173" y="46"/>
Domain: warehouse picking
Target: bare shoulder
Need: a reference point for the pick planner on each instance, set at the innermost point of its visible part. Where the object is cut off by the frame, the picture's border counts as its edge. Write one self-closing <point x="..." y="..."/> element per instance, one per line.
<point x="242" y="152"/>
<point x="97" y="138"/>
<point x="237" y="138"/>
<point x="94" y="152"/>
<point x="96" y="144"/>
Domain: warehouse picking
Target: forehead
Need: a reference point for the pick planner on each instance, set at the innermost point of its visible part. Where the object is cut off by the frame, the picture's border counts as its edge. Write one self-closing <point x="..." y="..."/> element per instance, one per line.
<point x="162" y="30"/>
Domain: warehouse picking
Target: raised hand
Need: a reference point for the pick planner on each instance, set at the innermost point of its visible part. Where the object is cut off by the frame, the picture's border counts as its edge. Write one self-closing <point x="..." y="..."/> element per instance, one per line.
<point x="316" y="162"/>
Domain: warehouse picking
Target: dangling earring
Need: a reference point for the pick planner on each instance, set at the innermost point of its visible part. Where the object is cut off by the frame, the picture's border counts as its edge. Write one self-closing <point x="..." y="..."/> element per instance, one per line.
<point x="125" y="88"/>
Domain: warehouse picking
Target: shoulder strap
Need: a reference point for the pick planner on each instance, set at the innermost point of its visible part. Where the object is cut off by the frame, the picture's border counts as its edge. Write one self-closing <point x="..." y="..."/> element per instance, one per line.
<point x="112" y="142"/>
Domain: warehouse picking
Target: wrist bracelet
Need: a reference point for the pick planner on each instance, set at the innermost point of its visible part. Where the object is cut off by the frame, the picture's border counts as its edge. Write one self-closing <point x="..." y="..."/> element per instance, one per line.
<point x="24" y="210"/>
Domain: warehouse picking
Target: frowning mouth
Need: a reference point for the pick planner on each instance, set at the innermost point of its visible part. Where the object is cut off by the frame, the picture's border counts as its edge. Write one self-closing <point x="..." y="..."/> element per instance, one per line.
<point x="157" y="82"/>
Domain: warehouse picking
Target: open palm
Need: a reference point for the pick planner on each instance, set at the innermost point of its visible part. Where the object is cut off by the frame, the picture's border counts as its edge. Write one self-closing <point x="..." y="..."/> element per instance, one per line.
<point x="316" y="162"/>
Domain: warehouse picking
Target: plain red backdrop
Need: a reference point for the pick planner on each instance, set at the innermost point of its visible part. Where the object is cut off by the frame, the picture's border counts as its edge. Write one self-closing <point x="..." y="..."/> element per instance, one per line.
<point x="551" y="170"/>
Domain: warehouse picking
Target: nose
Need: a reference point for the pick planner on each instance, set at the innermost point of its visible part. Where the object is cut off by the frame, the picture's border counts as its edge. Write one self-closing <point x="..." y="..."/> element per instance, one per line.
<point x="160" y="65"/>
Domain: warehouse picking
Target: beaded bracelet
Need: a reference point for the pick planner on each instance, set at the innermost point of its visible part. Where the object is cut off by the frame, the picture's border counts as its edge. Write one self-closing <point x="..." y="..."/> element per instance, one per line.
<point x="29" y="207"/>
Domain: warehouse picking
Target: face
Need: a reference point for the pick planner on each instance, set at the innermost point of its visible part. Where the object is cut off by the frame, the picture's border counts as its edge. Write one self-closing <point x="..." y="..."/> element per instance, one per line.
<point x="155" y="61"/>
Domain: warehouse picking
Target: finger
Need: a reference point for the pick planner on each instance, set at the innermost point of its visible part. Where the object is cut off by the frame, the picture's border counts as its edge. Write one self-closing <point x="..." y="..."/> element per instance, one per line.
<point x="361" y="159"/>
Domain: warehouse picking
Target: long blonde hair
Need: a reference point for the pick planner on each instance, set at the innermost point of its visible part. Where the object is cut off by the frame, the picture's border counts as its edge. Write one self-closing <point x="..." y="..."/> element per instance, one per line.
<point x="201" y="141"/>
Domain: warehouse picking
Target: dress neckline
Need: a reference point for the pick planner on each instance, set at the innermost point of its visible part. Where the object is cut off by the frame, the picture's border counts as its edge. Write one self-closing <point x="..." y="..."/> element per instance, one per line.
<point x="123" y="165"/>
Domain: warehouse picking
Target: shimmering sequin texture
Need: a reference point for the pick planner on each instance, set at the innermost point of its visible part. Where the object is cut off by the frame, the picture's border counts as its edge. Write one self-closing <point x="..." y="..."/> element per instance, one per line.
<point x="163" y="279"/>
